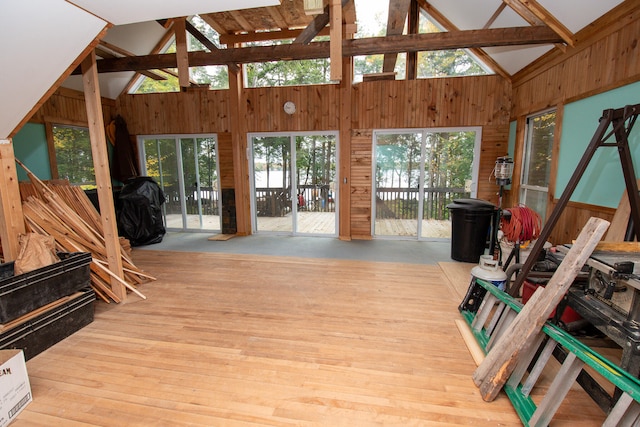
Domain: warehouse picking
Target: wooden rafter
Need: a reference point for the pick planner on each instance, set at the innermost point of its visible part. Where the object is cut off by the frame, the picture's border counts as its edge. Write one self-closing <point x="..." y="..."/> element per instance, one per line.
<point x="551" y="21"/>
<point x="398" y="11"/>
<point x="240" y="19"/>
<point x="449" y="26"/>
<point x="319" y="22"/>
<point x="205" y="41"/>
<point x="495" y="15"/>
<point x="517" y="36"/>
<point x="214" y="24"/>
<point x="532" y="12"/>
<point x="522" y="10"/>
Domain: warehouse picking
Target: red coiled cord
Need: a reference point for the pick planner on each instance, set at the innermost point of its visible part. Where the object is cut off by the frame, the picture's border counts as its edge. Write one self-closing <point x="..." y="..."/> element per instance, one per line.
<point x="524" y="224"/>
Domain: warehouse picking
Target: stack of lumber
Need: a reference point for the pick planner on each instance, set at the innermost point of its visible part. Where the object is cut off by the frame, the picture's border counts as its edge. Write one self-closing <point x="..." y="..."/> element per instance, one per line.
<point x="65" y="212"/>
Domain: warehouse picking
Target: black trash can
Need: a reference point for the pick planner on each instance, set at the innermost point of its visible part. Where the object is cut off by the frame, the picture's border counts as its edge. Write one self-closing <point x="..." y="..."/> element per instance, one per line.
<point x="471" y="221"/>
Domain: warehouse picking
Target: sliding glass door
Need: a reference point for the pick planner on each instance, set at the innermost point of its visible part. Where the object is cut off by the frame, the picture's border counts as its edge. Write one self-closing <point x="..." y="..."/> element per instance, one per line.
<point x="293" y="183"/>
<point x="186" y="169"/>
<point x="416" y="175"/>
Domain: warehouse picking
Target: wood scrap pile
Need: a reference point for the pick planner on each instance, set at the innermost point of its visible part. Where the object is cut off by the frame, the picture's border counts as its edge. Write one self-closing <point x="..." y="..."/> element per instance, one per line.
<point x="66" y="213"/>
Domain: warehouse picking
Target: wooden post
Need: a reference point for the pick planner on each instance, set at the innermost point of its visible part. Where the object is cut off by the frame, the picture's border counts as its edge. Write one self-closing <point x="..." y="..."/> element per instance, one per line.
<point x="103" y="175"/>
<point x="335" y="37"/>
<point x="11" y="218"/>
<point x="344" y="184"/>
<point x="240" y="161"/>
<point x="182" y="54"/>
<point x="500" y="362"/>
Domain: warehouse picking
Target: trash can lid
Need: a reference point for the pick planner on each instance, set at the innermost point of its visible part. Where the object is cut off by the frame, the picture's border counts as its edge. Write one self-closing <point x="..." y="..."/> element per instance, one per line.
<point x="472" y="205"/>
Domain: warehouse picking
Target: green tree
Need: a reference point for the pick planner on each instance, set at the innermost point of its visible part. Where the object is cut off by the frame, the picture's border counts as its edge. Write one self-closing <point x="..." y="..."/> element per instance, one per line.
<point x="73" y="155"/>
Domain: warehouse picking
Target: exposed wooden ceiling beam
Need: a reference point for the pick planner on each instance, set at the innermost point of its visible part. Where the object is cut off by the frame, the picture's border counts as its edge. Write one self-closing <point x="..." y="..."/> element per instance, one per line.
<point x="104" y="54"/>
<point x="319" y="22"/>
<point x="231" y="39"/>
<point x="398" y="11"/>
<point x="449" y="26"/>
<point x="205" y="41"/>
<point x="356" y="47"/>
<point x="551" y="21"/>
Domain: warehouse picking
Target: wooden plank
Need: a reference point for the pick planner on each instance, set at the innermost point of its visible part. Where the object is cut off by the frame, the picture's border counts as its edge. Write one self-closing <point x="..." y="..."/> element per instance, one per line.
<point x="500" y="362"/>
<point x="102" y="173"/>
<point x="11" y="220"/>
<point x="620" y="221"/>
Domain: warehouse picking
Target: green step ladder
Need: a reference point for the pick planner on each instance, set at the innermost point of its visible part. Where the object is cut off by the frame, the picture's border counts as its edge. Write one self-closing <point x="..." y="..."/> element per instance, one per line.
<point x="489" y="311"/>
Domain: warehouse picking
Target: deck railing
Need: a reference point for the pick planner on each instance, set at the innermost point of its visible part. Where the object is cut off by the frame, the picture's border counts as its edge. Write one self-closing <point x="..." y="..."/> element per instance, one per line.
<point x="391" y="203"/>
<point x="208" y="201"/>
<point x="402" y="203"/>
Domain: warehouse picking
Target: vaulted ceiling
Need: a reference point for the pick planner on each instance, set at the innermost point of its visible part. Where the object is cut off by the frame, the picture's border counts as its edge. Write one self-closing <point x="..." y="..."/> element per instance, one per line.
<point x="561" y="19"/>
<point x="505" y="34"/>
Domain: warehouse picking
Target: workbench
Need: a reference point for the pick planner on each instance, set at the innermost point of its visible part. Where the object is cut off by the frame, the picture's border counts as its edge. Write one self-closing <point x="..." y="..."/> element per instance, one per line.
<point x="616" y="313"/>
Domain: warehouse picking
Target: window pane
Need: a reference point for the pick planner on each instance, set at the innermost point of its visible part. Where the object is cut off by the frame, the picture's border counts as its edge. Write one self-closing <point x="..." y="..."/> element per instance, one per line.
<point x="539" y="145"/>
<point x="536" y="200"/>
<point x="73" y="155"/>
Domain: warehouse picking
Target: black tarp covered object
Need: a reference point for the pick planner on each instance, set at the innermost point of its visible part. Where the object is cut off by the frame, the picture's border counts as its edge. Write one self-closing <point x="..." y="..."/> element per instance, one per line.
<point x="139" y="212"/>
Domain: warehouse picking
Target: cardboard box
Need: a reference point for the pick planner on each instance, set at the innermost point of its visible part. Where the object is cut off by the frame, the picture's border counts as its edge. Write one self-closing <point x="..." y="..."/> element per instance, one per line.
<point x="15" y="390"/>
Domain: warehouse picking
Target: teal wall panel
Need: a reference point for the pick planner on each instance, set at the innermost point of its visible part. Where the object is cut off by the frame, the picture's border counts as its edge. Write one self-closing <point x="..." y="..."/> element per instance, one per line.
<point x="602" y="184"/>
<point x="30" y="147"/>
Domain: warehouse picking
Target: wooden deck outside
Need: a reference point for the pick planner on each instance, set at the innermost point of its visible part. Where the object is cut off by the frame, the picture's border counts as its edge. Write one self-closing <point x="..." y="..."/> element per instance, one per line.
<point x="322" y="223"/>
<point x="240" y="340"/>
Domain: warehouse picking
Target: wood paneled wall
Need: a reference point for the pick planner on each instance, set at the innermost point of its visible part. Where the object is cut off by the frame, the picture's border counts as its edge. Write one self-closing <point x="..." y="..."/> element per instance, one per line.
<point x="361" y="187"/>
<point x="225" y="161"/>
<point x="606" y="56"/>
<point x="482" y="101"/>
<point x="317" y="108"/>
<point x="193" y="111"/>
<point x="69" y="105"/>
<point x="441" y="102"/>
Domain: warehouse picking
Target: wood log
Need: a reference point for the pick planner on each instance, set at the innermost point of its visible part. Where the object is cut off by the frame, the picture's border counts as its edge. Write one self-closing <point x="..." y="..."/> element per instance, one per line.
<point x="500" y="362"/>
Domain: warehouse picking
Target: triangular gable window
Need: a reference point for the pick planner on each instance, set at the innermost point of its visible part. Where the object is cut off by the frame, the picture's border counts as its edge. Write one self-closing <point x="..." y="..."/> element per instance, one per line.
<point x="215" y="76"/>
<point x="447" y="63"/>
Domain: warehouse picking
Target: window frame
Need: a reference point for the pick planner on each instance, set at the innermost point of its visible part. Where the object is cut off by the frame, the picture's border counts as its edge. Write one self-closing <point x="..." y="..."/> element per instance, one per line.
<point x="49" y="124"/>
<point x="524" y="187"/>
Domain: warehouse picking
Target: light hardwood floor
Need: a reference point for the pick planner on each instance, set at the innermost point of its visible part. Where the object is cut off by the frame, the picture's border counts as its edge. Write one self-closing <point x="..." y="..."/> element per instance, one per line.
<point x="226" y="340"/>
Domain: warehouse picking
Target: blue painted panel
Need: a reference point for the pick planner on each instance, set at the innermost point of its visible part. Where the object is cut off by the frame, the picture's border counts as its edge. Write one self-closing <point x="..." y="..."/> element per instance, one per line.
<point x="602" y="184"/>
